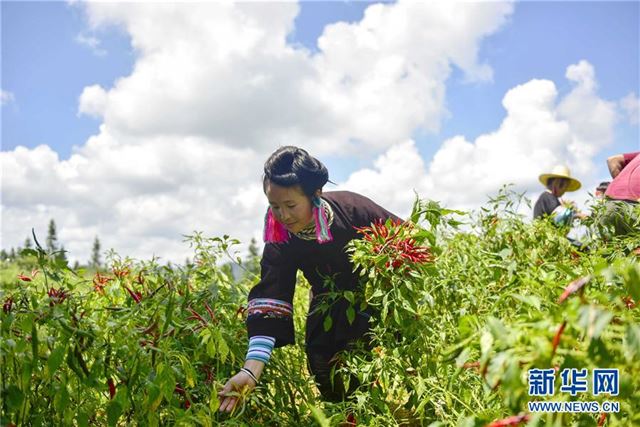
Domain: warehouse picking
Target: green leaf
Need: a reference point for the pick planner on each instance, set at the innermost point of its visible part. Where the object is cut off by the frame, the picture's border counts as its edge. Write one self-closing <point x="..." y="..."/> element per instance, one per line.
<point x="154" y="398"/>
<point x="55" y="359"/>
<point x="211" y="348"/>
<point x="13" y="397"/>
<point x="34" y="343"/>
<point x="114" y="410"/>
<point x="320" y="417"/>
<point x="594" y="320"/>
<point x="633" y="281"/>
<point x="82" y="418"/>
<point x="351" y="314"/>
<point x="189" y="372"/>
<point x="486" y="343"/>
<point x="27" y="370"/>
<point x="214" y="403"/>
<point x="531" y="300"/>
<point x="327" y="323"/>
<point x="348" y="295"/>
<point x="61" y="399"/>
<point x="632" y="341"/>
<point x="223" y="349"/>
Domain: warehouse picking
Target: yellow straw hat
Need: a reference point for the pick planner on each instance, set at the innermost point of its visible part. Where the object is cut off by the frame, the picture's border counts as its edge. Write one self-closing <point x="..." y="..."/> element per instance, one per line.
<point x="561" y="171"/>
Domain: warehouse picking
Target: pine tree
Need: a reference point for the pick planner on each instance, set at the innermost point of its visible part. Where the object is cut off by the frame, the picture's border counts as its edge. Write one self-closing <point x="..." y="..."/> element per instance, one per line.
<point x="61" y="255"/>
<point x="3" y="255"/>
<point x="95" y="254"/>
<point x="52" y="238"/>
<point x="27" y="243"/>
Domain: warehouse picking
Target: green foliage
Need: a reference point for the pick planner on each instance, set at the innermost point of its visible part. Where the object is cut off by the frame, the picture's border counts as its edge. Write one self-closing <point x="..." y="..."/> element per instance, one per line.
<point x="466" y="303"/>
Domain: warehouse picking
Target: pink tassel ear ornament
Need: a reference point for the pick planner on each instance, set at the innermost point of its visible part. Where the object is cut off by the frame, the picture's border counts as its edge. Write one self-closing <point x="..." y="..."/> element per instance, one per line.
<point x="323" y="230"/>
<point x="274" y="232"/>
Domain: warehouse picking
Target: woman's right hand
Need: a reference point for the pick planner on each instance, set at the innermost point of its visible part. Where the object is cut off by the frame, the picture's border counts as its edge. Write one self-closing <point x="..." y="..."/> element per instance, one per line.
<point x="238" y="384"/>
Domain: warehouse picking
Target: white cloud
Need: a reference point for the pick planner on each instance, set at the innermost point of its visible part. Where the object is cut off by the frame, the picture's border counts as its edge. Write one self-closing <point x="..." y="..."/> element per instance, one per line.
<point x="374" y="81"/>
<point x="92" y="101"/>
<point x="92" y="43"/>
<point x="214" y="89"/>
<point x="6" y="97"/>
<point x="630" y="104"/>
<point x="538" y="132"/>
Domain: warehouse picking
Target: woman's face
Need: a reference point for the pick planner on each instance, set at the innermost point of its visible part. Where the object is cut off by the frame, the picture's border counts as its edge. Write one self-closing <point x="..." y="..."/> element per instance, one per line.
<point x="290" y="206"/>
<point x="559" y="186"/>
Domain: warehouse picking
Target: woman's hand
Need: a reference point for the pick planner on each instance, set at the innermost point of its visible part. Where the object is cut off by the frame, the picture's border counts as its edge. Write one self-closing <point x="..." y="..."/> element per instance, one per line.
<point x="238" y="384"/>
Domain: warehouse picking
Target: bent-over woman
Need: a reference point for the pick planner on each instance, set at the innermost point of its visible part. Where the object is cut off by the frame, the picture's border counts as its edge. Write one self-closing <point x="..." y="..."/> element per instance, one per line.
<point x="305" y="229"/>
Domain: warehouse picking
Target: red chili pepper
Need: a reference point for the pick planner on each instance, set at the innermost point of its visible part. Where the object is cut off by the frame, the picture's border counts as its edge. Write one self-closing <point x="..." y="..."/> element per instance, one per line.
<point x="207" y="369"/>
<point x="8" y="303"/>
<point x="140" y="278"/>
<point x="112" y="388"/>
<point x="510" y="421"/>
<point x="470" y="365"/>
<point x="24" y="278"/>
<point x="56" y="296"/>
<point x="137" y="296"/>
<point x="574" y="287"/>
<point x="602" y="419"/>
<point x="211" y="315"/>
<point x="196" y="316"/>
<point x="100" y="281"/>
<point x="556" y="338"/>
<point x="629" y="302"/>
<point x="121" y="272"/>
<point x="351" y="419"/>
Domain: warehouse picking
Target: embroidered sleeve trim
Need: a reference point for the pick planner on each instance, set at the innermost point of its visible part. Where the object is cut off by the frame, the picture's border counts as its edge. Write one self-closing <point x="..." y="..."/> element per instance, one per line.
<point x="268" y="308"/>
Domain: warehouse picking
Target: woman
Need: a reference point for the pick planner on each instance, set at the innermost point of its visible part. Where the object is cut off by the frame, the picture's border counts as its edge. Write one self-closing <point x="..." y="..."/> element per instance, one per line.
<point x="307" y="230"/>
<point x="557" y="183"/>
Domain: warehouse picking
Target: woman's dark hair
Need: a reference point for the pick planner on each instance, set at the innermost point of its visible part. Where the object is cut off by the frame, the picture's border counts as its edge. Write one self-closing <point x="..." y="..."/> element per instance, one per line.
<point x="289" y="166"/>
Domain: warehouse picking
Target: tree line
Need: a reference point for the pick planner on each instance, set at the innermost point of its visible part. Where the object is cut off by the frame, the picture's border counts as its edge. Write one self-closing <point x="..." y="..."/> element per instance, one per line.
<point x="54" y="248"/>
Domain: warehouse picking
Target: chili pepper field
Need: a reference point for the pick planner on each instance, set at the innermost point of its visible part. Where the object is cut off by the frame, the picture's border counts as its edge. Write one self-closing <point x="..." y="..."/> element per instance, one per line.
<point x="468" y="303"/>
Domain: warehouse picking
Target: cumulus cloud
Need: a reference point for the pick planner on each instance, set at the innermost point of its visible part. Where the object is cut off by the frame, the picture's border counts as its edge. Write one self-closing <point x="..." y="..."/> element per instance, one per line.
<point x="372" y="82"/>
<point x="538" y="132"/>
<point x="141" y="198"/>
<point x="630" y="104"/>
<point x="214" y="89"/>
<point x="6" y="97"/>
<point x="93" y="101"/>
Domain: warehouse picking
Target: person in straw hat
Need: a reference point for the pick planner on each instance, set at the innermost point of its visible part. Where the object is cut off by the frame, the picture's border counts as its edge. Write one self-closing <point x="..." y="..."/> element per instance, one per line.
<point x="558" y="182"/>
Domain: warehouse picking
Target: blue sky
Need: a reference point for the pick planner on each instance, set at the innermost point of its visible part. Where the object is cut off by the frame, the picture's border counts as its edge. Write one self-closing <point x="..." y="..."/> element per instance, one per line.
<point x="46" y="68"/>
<point x="50" y="55"/>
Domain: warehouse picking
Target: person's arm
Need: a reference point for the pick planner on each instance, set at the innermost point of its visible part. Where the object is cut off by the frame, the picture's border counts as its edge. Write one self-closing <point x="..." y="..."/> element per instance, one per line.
<point x="269" y="321"/>
<point x="615" y="164"/>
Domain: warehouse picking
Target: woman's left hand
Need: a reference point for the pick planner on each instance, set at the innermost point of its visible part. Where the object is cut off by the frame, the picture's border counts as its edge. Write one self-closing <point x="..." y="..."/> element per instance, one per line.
<point x="232" y="391"/>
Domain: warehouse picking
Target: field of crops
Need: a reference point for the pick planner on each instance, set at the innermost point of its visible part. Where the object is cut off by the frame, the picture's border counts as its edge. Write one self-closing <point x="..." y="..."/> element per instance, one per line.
<point x="140" y="343"/>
